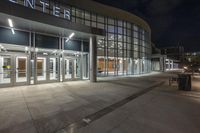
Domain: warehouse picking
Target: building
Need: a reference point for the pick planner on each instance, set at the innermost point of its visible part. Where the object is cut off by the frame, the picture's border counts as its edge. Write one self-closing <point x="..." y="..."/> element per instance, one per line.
<point x="192" y="57"/>
<point x="175" y="57"/>
<point x="44" y="41"/>
<point x="157" y="60"/>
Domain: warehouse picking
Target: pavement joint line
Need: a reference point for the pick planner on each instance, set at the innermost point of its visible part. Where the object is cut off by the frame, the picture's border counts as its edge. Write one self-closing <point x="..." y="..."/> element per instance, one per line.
<point x="29" y="111"/>
<point x="97" y="115"/>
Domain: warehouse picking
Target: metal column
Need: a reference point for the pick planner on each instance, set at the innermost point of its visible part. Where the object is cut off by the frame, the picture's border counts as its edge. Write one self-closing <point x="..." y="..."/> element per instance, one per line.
<point x="93" y="59"/>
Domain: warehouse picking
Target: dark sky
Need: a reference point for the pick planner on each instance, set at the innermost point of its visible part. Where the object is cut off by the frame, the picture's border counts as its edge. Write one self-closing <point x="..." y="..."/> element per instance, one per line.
<point x="172" y="22"/>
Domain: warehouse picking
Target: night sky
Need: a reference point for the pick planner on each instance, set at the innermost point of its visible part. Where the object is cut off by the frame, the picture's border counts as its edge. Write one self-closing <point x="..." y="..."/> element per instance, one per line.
<point x="172" y="22"/>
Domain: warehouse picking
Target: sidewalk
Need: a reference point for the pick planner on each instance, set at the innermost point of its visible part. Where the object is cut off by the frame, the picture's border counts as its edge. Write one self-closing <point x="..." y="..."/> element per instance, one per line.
<point x="48" y="108"/>
<point x="165" y="109"/>
<point x="58" y="107"/>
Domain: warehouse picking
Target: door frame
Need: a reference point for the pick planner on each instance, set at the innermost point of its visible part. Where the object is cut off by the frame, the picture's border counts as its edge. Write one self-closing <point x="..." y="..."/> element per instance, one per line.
<point x="47" y="80"/>
<point x="73" y="71"/>
<point x="13" y="82"/>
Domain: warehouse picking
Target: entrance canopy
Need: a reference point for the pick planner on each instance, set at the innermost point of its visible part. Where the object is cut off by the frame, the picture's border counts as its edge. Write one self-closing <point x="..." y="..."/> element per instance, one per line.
<point x="36" y="21"/>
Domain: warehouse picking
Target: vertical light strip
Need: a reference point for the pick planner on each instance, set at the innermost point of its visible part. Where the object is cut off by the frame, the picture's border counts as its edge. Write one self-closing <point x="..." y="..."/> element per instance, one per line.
<point x="12" y="30"/>
<point x="10" y="23"/>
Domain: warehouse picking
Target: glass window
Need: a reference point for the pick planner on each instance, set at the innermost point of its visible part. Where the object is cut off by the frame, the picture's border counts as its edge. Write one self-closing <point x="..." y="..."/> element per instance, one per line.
<point x="120" y="46"/>
<point x="79" y="13"/>
<point x="124" y="31"/>
<point x="111" y="44"/>
<point x="129" y="39"/>
<point x="120" y="38"/>
<point x="135" y="28"/>
<point x="124" y="24"/>
<point x="80" y="21"/>
<point x="136" y="34"/>
<point x="129" y="46"/>
<point x="87" y="23"/>
<point x="142" y="49"/>
<point x="136" y="41"/>
<point x="142" y="37"/>
<point x="128" y="32"/>
<point x="100" y="43"/>
<point x="119" y="30"/>
<point x="120" y="23"/>
<point x="125" y="38"/>
<point x="94" y="18"/>
<point x="136" y="54"/>
<point x="111" y="29"/>
<point x="112" y="52"/>
<point x="87" y="15"/>
<point x="125" y="45"/>
<point x="100" y="19"/>
<point x="129" y="53"/>
<point x="99" y="25"/>
<point x="94" y="24"/>
<point x="129" y="25"/>
<point x="111" y="21"/>
<point x="73" y="19"/>
<point x="136" y="47"/>
<point x="73" y="11"/>
<point x="100" y="52"/>
<point x="120" y="53"/>
<point x="143" y="43"/>
<point x="110" y="36"/>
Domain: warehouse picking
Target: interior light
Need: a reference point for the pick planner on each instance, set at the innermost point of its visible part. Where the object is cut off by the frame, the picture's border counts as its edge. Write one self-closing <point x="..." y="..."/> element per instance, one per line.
<point x="10" y="23"/>
<point x="26" y="48"/>
<point x="71" y="35"/>
<point x="136" y="61"/>
<point x="13" y="31"/>
<point x="54" y="51"/>
<point x="36" y="49"/>
<point x="45" y="53"/>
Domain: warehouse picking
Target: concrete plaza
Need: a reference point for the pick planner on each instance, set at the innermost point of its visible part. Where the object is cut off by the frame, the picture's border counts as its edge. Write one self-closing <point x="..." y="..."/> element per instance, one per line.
<point x="64" y="107"/>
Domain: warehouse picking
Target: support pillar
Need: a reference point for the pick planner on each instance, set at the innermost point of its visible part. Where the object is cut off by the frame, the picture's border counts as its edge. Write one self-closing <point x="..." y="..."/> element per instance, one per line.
<point x="168" y="64"/>
<point x="93" y="59"/>
<point x="172" y="64"/>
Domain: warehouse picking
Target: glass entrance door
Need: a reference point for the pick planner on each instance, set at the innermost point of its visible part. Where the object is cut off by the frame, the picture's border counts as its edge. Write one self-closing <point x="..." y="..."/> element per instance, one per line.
<point x="69" y="66"/>
<point x="21" y="69"/>
<point x="47" y="69"/>
<point x="72" y="69"/>
<point x="41" y="68"/>
<point x="5" y="70"/>
<point x="53" y="68"/>
<point x="14" y="70"/>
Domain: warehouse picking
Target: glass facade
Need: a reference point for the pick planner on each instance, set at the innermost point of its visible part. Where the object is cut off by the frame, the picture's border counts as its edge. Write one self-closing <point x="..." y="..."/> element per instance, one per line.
<point x="33" y="58"/>
<point x="126" y="48"/>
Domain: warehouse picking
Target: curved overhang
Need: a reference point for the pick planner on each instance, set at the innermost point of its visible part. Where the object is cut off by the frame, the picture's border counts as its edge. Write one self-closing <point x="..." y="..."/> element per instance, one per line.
<point x="33" y="20"/>
<point x="109" y="11"/>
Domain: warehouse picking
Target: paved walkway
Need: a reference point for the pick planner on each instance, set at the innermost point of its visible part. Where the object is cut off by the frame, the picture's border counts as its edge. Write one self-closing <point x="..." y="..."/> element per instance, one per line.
<point x="163" y="110"/>
<point x="48" y="108"/>
<point x="56" y="107"/>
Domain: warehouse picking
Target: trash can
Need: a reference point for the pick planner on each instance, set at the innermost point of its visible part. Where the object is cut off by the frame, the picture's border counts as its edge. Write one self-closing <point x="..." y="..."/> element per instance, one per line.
<point x="184" y="82"/>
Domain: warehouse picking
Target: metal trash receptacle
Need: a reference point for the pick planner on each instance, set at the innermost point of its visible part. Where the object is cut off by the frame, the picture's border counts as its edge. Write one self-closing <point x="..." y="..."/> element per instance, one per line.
<point x="184" y="82"/>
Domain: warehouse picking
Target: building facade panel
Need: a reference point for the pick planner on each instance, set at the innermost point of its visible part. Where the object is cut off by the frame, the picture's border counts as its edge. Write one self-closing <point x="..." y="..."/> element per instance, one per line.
<point x="124" y="48"/>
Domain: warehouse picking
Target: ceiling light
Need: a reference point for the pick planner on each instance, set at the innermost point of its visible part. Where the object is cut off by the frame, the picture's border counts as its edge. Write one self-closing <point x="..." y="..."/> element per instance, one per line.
<point x="10" y="23"/>
<point x="71" y="35"/>
<point x="26" y="48"/>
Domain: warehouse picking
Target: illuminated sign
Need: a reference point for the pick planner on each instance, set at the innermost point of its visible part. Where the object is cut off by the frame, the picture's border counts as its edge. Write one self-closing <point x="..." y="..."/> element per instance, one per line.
<point x="44" y="6"/>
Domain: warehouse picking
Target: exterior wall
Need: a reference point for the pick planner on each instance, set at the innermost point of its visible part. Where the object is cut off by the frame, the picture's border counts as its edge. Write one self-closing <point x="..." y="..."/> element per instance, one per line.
<point x="126" y="47"/>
